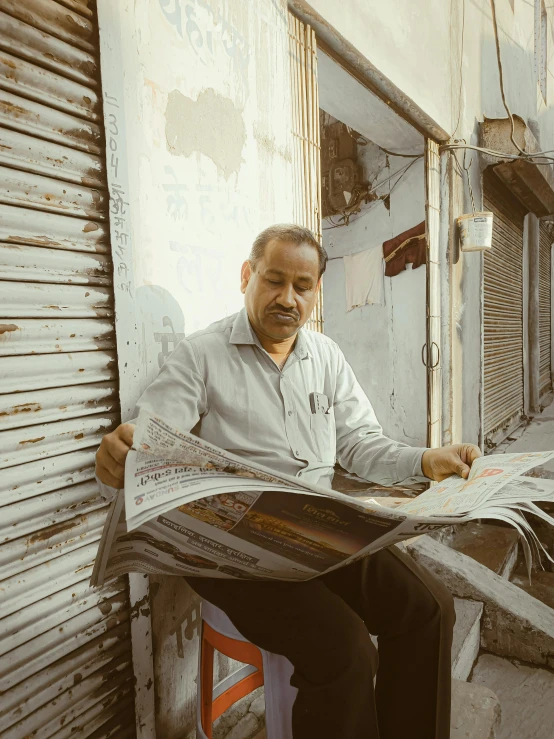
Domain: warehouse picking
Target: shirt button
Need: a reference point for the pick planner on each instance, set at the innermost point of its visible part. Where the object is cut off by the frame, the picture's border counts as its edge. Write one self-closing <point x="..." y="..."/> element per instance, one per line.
<point x="297" y="453"/>
<point x="290" y="413"/>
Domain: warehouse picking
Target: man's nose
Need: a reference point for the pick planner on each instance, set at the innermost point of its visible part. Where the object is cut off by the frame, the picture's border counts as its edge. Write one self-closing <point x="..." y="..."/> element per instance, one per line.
<point x="287" y="297"/>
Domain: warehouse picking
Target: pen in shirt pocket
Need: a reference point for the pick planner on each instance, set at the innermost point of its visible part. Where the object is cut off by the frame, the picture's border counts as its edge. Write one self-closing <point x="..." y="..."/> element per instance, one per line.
<point x="319" y="403"/>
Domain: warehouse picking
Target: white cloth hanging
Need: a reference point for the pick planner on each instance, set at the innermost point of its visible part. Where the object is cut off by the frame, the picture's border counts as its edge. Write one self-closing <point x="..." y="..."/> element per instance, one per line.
<point x="365" y="278"/>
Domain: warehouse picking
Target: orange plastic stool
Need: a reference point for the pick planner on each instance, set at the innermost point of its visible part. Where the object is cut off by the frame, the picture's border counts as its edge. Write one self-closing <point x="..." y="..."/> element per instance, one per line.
<point x="260" y="667"/>
<point x="244" y="681"/>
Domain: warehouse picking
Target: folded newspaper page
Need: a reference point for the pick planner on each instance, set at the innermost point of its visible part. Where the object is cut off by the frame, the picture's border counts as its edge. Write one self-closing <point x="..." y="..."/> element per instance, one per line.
<point x="191" y="509"/>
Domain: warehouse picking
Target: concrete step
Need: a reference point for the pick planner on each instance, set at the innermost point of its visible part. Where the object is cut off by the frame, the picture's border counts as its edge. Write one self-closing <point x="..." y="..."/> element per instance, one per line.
<point x="541" y="586"/>
<point x="467" y="637"/>
<point x="496" y="547"/>
<point x="475" y="712"/>
<point x="526" y="695"/>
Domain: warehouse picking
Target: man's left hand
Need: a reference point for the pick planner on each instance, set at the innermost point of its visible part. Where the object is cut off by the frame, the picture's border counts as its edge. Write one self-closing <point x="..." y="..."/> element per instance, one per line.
<point x="438" y="464"/>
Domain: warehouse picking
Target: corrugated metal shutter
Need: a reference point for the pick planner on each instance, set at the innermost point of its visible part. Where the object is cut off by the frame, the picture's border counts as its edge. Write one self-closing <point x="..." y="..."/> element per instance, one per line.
<point x="545" y="291"/>
<point x="503" y="310"/>
<point x="65" y="652"/>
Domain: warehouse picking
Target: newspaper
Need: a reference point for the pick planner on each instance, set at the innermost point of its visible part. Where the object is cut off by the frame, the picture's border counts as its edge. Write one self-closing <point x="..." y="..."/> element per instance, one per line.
<point x="191" y="509"/>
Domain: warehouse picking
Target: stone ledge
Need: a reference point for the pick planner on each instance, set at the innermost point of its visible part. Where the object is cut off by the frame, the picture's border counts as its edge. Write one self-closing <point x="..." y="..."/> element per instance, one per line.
<point x="514" y="623"/>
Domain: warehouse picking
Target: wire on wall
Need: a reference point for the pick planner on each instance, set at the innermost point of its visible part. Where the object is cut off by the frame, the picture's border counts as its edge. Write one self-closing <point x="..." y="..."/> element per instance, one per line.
<point x="461" y="72"/>
<point x="533" y="158"/>
<point x="345" y="219"/>
<point x="501" y="77"/>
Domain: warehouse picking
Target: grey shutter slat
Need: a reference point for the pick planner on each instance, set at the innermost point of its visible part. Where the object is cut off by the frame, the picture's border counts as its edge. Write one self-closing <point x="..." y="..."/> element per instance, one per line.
<point x="545" y="291"/>
<point x="503" y="310"/>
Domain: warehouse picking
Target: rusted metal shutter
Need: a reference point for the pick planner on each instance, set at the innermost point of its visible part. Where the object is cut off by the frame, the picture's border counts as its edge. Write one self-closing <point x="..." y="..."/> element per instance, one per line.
<point x="65" y="652"/>
<point x="545" y="291"/>
<point x="503" y="312"/>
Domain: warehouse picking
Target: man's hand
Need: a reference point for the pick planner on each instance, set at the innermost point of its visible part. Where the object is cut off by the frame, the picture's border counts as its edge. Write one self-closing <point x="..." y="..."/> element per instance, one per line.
<point x="438" y="464"/>
<point x="110" y="457"/>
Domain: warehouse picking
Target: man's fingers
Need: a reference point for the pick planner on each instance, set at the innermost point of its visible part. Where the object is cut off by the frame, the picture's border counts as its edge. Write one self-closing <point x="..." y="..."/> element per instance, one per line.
<point x="108" y="479"/>
<point x="117" y="448"/>
<point x="126" y="432"/>
<point x="112" y="466"/>
<point x="462" y="470"/>
<point x="473" y="453"/>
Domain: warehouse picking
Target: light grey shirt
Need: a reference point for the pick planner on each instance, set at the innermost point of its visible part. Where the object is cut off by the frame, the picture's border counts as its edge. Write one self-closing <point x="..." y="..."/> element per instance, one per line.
<point x="221" y="385"/>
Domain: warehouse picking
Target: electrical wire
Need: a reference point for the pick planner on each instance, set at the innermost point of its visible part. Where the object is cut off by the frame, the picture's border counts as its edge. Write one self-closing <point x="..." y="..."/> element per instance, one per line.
<point x="404" y="172"/>
<point x="398" y="154"/>
<point x="499" y="155"/>
<point x="461" y="72"/>
<point x="401" y="172"/>
<point x="501" y="77"/>
<point x="364" y="141"/>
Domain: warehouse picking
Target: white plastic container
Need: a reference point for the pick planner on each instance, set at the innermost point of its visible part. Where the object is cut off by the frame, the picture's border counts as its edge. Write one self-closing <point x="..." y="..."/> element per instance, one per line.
<point x="476" y="231"/>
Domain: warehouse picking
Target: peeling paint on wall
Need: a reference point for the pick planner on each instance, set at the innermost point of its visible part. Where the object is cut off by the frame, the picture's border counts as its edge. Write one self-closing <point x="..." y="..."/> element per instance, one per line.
<point x="197" y="125"/>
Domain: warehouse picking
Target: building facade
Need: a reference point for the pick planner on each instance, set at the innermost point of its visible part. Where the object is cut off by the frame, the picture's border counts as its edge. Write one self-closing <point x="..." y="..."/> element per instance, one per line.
<point x="142" y="147"/>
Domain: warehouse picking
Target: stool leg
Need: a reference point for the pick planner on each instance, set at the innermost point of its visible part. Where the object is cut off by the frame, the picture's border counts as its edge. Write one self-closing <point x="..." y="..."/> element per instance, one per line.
<point x="206" y="686"/>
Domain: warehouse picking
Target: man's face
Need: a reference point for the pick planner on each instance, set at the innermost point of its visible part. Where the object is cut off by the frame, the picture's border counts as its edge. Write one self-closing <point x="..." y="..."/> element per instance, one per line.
<point x="281" y="291"/>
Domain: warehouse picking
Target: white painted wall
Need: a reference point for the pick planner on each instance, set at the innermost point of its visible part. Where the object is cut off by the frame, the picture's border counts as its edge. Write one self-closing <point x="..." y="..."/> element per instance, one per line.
<point x="383" y="343"/>
<point x="197" y="116"/>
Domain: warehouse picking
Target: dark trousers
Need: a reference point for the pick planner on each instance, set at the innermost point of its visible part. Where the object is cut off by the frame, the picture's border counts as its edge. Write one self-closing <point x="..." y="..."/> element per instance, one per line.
<point x="323" y="625"/>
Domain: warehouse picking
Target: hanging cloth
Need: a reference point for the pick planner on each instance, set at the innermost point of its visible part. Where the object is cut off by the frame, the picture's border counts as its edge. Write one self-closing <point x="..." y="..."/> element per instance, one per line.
<point x="364" y="278"/>
<point x="409" y="247"/>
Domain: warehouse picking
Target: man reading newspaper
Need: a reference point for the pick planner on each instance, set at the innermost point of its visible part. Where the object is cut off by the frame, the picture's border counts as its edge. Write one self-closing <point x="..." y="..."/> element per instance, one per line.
<point x="259" y="385"/>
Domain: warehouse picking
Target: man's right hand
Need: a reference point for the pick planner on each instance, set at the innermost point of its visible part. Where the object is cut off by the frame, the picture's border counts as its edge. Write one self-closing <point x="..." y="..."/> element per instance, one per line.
<point x="110" y="457"/>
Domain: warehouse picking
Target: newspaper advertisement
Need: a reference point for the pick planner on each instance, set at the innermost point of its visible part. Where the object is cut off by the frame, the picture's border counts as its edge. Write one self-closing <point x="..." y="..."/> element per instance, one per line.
<point x="191" y="509"/>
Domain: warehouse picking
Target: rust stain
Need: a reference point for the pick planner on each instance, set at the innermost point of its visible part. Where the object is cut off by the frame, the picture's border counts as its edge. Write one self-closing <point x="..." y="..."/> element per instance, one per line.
<point x="91" y="227"/>
<point x="5" y="327"/>
<point x="105" y="606"/>
<point x="32" y="441"/>
<point x="11" y="108"/>
<point x="9" y="63"/>
<point x="89" y="181"/>
<point x="46" y="534"/>
<point x="79" y="436"/>
<point x="22" y="409"/>
<point x="41" y="241"/>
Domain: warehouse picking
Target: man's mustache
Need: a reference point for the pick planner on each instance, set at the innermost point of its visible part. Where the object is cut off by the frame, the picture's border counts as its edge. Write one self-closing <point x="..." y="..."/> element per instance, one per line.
<point x="286" y="311"/>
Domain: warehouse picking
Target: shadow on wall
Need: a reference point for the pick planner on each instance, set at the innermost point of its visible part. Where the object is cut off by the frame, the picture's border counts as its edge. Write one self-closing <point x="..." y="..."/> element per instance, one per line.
<point x="161" y="326"/>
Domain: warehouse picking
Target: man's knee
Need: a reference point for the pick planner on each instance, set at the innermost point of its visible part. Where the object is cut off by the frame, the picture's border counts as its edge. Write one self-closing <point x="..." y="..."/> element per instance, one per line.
<point x="349" y="654"/>
<point x="436" y="604"/>
<point x="360" y="654"/>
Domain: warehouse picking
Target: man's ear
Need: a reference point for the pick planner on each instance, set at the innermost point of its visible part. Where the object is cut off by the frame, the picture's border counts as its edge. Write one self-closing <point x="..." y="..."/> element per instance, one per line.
<point x="245" y="274"/>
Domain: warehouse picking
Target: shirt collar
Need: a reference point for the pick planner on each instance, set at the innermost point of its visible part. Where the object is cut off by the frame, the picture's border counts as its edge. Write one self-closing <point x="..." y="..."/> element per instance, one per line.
<point x="243" y="333"/>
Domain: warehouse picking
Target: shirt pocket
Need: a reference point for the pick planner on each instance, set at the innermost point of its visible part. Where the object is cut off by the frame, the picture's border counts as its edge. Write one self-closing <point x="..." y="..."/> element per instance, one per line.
<point x="322" y="426"/>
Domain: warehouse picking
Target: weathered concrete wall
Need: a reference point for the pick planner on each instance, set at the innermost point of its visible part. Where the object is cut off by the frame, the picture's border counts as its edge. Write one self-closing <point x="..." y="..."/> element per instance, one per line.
<point x="197" y="115"/>
<point x="383" y="342"/>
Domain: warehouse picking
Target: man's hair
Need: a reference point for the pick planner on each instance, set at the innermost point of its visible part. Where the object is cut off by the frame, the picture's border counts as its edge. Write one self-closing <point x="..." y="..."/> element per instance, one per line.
<point x="290" y="233"/>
